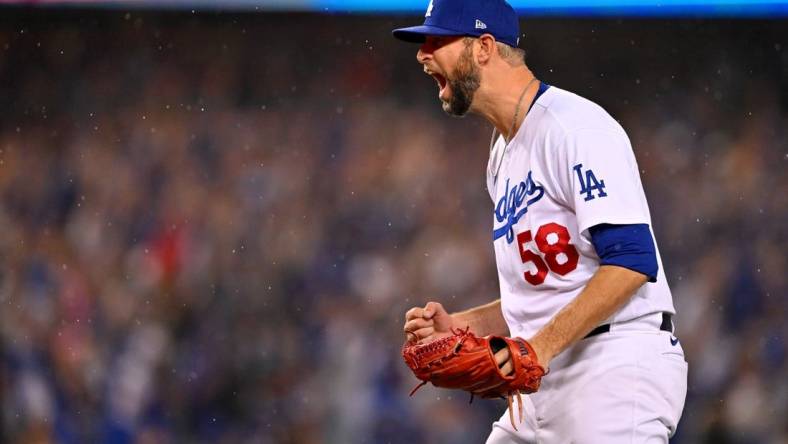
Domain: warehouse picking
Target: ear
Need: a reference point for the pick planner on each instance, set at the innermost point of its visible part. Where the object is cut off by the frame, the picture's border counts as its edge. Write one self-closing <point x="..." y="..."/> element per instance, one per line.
<point x="487" y="48"/>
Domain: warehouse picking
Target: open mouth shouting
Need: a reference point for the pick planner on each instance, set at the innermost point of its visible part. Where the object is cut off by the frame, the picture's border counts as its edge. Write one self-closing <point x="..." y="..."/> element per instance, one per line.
<point x="442" y="82"/>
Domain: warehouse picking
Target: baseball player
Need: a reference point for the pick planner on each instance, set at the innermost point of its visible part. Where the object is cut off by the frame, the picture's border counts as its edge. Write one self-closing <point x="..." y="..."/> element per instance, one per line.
<point x="580" y="275"/>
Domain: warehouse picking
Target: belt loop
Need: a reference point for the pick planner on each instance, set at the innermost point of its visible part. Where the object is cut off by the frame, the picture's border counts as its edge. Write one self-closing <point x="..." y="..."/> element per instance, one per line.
<point x="667" y="322"/>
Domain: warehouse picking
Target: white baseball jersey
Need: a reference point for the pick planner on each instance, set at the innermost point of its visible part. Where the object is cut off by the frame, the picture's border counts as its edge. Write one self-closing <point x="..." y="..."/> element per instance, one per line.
<point x="569" y="167"/>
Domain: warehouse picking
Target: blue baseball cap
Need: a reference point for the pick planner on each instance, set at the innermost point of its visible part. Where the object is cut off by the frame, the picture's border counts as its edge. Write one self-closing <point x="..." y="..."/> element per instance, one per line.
<point x="465" y="18"/>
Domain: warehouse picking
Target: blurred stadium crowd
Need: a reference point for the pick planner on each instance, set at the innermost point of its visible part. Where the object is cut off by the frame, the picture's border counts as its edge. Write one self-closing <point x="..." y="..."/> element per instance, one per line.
<point x="213" y="224"/>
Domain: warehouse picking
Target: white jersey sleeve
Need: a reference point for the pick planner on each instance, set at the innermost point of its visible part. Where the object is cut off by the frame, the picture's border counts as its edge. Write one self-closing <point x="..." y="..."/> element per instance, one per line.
<point x="599" y="179"/>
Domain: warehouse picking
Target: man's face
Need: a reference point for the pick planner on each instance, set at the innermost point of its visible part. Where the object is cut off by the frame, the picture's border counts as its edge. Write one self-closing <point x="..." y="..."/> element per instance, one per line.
<point x="449" y="60"/>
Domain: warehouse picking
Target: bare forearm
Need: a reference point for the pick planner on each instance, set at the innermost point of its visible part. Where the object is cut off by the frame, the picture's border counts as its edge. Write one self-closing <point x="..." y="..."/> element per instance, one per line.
<point x="483" y="320"/>
<point x="607" y="291"/>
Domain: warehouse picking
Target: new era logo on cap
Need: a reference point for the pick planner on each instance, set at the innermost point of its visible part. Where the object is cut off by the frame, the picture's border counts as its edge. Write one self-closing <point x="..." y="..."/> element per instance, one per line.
<point x="465" y="18"/>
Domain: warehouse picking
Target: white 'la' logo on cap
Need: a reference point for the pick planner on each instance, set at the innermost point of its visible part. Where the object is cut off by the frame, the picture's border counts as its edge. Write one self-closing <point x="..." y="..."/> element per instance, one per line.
<point x="429" y="10"/>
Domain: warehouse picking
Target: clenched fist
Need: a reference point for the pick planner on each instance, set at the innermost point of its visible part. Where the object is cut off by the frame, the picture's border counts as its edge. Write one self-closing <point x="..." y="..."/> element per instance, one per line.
<point x="433" y="322"/>
<point x="429" y="323"/>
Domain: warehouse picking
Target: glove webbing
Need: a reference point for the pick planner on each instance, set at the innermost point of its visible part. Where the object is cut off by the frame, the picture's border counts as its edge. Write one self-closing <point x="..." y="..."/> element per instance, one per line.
<point x="437" y="346"/>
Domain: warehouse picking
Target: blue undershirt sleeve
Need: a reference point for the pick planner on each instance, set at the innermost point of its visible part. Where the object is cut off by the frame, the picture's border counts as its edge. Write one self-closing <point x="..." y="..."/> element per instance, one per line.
<point x="629" y="246"/>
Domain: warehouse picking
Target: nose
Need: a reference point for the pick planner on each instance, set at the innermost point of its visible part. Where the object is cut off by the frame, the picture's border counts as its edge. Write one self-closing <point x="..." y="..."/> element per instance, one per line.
<point x="423" y="54"/>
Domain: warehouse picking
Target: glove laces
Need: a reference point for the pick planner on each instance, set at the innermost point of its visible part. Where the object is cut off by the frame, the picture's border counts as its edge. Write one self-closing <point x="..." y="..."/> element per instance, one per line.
<point x="509" y="398"/>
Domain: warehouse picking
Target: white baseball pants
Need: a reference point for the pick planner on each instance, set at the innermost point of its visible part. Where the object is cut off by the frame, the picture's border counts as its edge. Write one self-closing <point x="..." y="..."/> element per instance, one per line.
<point x="624" y="386"/>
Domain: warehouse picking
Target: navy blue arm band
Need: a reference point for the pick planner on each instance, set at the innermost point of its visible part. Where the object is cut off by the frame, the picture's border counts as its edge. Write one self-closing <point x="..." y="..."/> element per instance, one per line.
<point x="628" y="246"/>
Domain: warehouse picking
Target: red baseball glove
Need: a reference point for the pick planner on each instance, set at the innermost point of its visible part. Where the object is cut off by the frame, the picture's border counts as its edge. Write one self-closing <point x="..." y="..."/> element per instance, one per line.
<point x="465" y="361"/>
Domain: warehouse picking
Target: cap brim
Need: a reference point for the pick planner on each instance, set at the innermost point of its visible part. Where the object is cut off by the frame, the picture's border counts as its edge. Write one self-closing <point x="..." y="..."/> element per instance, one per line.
<point x="417" y="34"/>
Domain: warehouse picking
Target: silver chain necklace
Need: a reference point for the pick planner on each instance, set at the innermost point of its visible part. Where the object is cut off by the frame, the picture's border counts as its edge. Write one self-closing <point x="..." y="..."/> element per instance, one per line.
<point x="517" y="108"/>
<point x="511" y="130"/>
